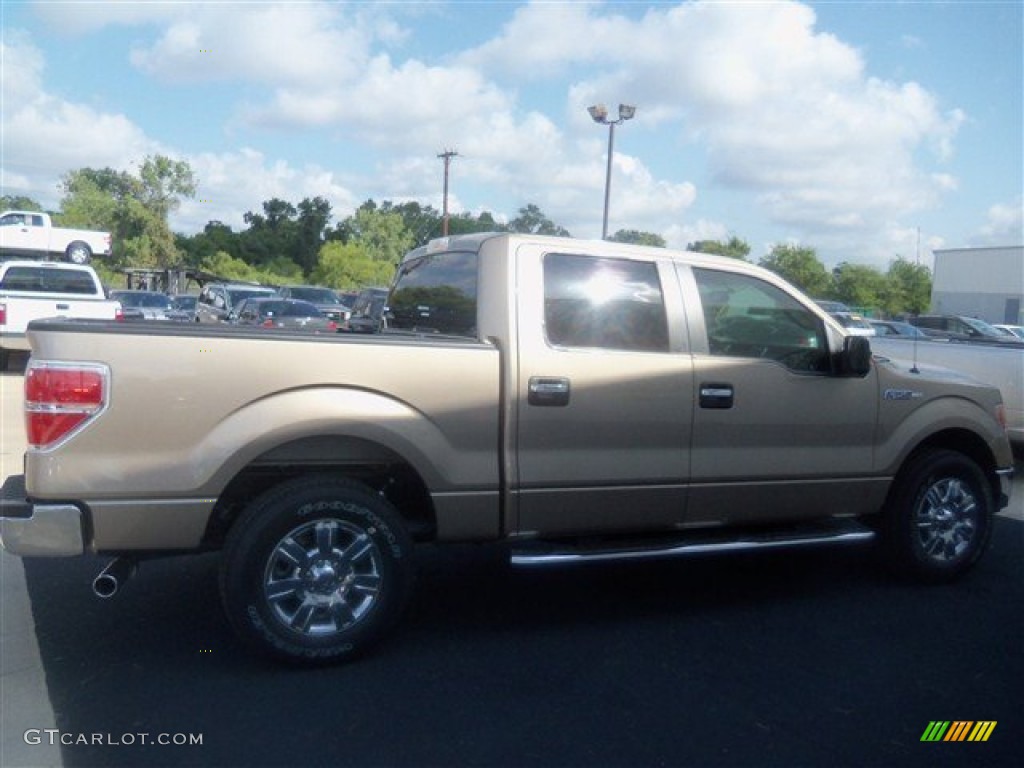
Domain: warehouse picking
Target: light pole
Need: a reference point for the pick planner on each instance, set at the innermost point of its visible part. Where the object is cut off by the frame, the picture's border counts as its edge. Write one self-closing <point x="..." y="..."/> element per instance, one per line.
<point x="599" y="113"/>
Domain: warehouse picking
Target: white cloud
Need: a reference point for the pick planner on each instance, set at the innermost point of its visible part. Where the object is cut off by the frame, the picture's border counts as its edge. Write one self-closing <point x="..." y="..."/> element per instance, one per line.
<point x="234" y="183"/>
<point x="282" y="45"/>
<point x="785" y="111"/>
<point x="785" y="115"/>
<point x="45" y="136"/>
<point x="1004" y="224"/>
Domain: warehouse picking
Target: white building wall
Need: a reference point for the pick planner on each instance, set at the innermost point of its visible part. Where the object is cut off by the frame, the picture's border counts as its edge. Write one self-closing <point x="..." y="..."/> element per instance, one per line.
<point x="980" y="282"/>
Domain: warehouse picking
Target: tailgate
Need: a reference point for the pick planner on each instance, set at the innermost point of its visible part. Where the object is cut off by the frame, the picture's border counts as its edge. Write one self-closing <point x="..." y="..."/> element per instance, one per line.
<point x="20" y="310"/>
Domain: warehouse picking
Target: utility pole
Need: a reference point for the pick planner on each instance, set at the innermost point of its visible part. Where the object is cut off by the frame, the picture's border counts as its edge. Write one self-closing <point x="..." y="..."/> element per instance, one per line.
<point x="447" y="155"/>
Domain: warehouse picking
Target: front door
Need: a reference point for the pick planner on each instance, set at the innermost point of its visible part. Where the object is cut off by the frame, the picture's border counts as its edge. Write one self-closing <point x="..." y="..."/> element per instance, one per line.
<point x="776" y="433"/>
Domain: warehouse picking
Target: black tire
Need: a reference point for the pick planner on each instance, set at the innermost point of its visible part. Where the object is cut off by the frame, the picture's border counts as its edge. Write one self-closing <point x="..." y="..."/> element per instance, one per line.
<point x="78" y="253"/>
<point x="938" y="518"/>
<point x="316" y="570"/>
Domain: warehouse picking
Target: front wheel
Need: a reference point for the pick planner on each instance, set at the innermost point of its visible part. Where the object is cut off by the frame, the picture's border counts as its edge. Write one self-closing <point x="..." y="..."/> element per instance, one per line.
<point x="316" y="570"/>
<point x="938" y="519"/>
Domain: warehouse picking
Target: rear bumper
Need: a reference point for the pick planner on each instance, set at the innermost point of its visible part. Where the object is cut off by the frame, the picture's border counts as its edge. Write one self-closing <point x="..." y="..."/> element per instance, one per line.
<point x="38" y="530"/>
<point x="18" y="341"/>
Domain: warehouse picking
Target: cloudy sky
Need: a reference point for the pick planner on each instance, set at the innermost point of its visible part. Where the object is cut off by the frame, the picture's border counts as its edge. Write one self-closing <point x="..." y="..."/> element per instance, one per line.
<point x="859" y="128"/>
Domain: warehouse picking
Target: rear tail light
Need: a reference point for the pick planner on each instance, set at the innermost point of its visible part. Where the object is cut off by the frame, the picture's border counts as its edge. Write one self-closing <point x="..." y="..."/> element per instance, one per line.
<point x="332" y="326"/>
<point x="119" y="314"/>
<point x="61" y="398"/>
<point x="3" y="314"/>
<point x="268" y="323"/>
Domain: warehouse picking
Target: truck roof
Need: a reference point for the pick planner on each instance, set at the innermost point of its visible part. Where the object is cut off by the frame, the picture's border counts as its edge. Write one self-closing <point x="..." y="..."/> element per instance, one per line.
<point x="475" y="241"/>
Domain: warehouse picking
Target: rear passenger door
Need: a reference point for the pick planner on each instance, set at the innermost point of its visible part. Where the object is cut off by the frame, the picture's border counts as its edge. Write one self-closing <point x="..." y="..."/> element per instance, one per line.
<point x="603" y="396"/>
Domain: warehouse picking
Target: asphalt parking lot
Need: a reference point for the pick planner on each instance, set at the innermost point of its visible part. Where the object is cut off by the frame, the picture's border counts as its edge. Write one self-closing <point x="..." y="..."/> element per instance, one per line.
<point x="810" y="658"/>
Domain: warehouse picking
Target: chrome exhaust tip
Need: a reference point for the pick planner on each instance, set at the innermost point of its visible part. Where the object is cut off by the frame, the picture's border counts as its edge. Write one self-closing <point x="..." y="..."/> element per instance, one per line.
<point x="111" y="578"/>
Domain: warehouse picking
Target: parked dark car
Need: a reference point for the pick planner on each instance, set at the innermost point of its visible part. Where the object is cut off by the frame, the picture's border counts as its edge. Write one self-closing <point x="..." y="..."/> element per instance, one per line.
<point x="143" y="305"/>
<point x="324" y="299"/>
<point x="283" y="313"/>
<point x="219" y="300"/>
<point x="367" y="311"/>
<point x="183" y="307"/>
<point x="348" y="298"/>
<point x="961" y="328"/>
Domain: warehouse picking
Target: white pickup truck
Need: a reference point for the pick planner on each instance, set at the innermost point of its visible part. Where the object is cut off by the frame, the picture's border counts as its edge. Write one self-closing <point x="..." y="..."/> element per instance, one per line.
<point x="999" y="365"/>
<point x="31" y="234"/>
<point x="34" y="290"/>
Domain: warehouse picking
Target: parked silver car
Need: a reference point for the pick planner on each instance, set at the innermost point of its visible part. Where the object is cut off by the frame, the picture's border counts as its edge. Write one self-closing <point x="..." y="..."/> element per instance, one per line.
<point x="143" y="305"/>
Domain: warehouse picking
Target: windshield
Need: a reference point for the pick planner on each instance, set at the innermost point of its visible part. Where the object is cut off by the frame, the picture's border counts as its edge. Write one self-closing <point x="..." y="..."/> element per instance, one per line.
<point x="288" y="309"/>
<point x="315" y="295"/>
<point x="142" y="300"/>
<point x="237" y="294"/>
<point x="981" y="326"/>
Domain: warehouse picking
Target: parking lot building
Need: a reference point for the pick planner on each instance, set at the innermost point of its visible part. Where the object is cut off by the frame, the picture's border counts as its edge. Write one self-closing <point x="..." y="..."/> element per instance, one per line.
<point x="987" y="283"/>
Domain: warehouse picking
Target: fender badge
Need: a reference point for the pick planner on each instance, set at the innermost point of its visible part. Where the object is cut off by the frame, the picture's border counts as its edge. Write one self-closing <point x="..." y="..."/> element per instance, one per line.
<point x="901" y="394"/>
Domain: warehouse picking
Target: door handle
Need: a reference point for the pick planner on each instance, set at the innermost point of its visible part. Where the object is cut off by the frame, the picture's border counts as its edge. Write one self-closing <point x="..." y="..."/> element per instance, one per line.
<point x="716" y="395"/>
<point x="548" y="391"/>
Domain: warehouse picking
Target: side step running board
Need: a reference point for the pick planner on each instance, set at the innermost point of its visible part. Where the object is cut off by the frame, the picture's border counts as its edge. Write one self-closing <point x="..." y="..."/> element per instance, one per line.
<point x="542" y="553"/>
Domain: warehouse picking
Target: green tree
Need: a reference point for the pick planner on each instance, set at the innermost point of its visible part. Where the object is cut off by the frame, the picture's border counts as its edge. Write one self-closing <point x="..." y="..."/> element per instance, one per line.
<point x="270" y="234"/>
<point x="164" y="182"/>
<point x="532" y="221"/>
<point x="313" y="216"/>
<point x="909" y="288"/>
<point x="380" y="232"/>
<point x="734" y="247"/>
<point x="423" y="222"/>
<point x="134" y="208"/>
<point x="800" y="266"/>
<point x="215" y="237"/>
<point x="347" y="266"/>
<point x="466" y="223"/>
<point x="859" y="285"/>
<point x="18" y="203"/>
<point x="93" y="199"/>
<point x="636" y="237"/>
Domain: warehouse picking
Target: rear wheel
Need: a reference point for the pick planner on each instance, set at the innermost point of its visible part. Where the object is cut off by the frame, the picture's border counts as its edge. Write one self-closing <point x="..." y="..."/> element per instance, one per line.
<point x="78" y="253"/>
<point x="316" y="570"/>
<point x="939" y="517"/>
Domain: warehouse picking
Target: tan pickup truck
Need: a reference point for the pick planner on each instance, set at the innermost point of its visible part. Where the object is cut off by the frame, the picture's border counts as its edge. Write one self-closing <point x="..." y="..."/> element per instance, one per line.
<point x="579" y="400"/>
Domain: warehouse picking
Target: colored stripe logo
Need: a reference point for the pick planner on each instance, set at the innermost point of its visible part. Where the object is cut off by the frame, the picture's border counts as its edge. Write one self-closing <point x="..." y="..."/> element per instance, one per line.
<point x="958" y="730"/>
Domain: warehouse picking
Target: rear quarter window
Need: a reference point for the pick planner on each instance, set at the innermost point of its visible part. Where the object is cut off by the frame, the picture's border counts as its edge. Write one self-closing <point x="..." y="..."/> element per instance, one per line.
<point x="436" y="293"/>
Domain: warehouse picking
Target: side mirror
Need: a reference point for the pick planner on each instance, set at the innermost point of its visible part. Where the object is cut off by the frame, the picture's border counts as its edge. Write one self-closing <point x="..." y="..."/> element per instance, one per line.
<point x="855" y="359"/>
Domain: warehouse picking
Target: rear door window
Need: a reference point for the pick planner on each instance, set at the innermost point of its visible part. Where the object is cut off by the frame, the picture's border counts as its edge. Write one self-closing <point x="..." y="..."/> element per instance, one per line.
<point x="604" y="303"/>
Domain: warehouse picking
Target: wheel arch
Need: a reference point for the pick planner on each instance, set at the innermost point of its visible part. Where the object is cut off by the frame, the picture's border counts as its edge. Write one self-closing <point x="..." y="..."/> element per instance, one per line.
<point x="963" y="441"/>
<point x="374" y="465"/>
